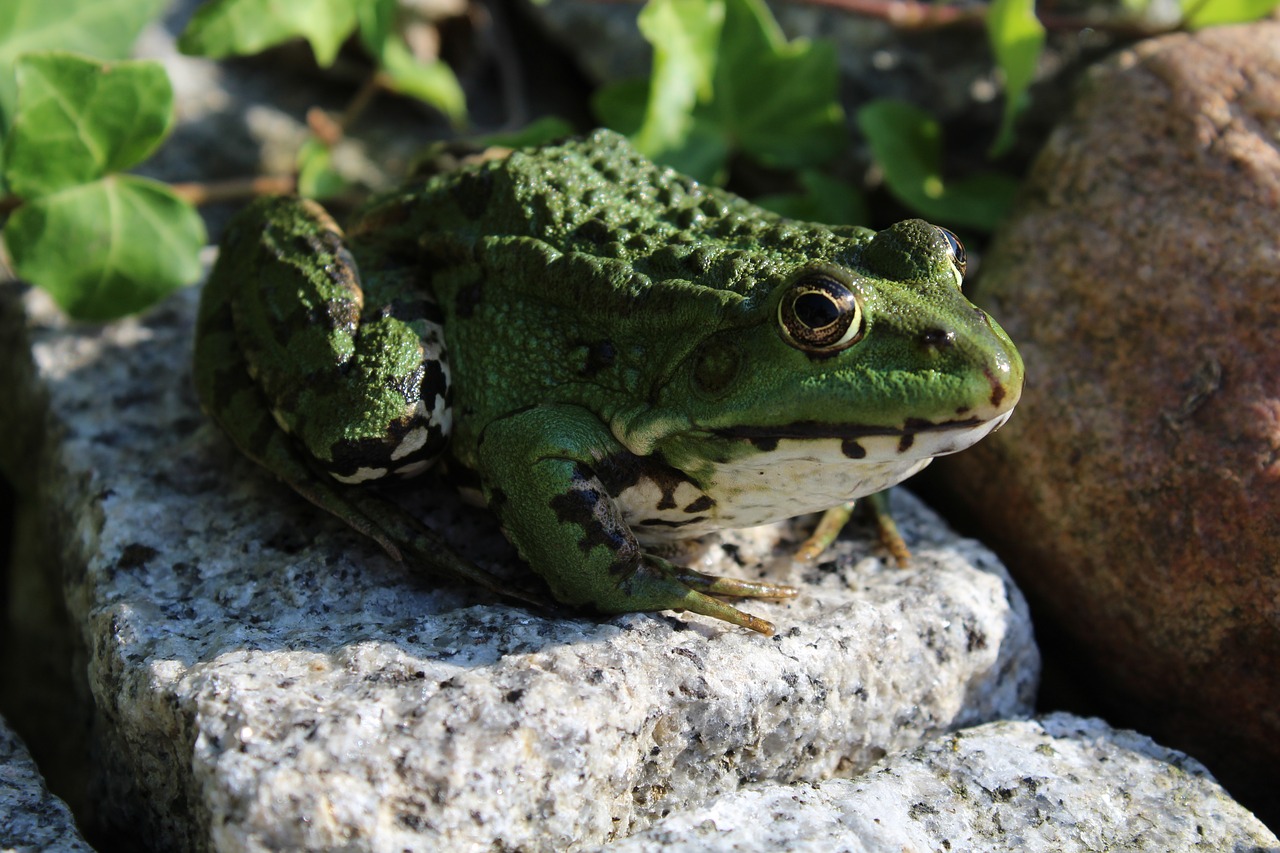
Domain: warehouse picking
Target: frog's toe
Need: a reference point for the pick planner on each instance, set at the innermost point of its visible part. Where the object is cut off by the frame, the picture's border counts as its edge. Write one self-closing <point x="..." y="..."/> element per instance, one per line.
<point x="660" y="585"/>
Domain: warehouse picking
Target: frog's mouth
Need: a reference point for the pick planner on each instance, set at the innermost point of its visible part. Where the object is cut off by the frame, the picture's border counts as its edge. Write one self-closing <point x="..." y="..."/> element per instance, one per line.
<point x="916" y="436"/>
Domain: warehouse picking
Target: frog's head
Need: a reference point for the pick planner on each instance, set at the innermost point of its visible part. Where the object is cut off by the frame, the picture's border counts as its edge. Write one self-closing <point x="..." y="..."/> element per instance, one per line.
<point x="880" y="352"/>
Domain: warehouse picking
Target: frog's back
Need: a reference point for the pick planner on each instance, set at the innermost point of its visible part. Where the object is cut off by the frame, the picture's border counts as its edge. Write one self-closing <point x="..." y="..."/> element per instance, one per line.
<point x="597" y="198"/>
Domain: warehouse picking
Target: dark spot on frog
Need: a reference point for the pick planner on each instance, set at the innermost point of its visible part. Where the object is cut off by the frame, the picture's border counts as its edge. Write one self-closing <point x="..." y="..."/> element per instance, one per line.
<point x="514" y="696"/>
<point x="765" y="444"/>
<point x="134" y="555"/>
<point x="468" y="300"/>
<point x="852" y="450"/>
<point x="497" y="499"/>
<point x="586" y="505"/>
<point x="601" y="355"/>
<point x="473" y="194"/>
<point x="621" y="471"/>
<point x="905" y="442"/>
<point x="593" y="231"/>
<point x="663" y="522"/>
<point x="702" y="504"/>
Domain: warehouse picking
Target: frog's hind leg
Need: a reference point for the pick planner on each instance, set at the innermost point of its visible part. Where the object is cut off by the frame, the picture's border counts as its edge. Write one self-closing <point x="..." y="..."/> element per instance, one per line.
<point x="282" y="359"/>
<point x="359" y="379"/>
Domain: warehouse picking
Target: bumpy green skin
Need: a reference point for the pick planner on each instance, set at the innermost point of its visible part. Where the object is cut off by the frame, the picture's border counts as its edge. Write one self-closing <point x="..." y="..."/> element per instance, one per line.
<point x="613" y="337"/>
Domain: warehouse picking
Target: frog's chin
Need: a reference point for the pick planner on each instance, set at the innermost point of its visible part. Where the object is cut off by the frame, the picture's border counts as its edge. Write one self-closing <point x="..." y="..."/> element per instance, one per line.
<point x="791" y="471"/>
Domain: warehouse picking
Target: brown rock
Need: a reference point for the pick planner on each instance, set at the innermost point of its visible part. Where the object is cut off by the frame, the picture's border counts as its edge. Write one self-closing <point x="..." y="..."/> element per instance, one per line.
<point x="1136" y="492"/>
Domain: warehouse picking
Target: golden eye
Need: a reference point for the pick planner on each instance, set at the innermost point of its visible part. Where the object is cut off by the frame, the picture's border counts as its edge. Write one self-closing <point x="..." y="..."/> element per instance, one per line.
<point x="958" y="255"/>
<point x="820" y="314"/>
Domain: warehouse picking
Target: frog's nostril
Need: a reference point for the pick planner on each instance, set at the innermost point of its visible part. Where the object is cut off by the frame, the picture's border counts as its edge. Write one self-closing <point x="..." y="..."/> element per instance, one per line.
<point x="937" y="338"/>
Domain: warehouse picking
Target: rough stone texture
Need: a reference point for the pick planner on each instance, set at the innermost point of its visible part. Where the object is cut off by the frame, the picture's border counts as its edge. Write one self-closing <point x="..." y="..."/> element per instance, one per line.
<point x="31" y="818"/>
<point x="1136" y="492"/>
<point x="1058" y="785"/>
<point x="264" y="678"/>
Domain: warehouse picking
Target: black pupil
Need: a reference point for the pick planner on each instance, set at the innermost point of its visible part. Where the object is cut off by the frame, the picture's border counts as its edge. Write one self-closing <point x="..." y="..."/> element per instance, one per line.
<point x="816" y="310"/>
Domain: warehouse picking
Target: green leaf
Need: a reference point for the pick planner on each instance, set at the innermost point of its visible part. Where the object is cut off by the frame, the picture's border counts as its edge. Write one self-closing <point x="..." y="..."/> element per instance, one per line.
<point x="538" y="132"/>
<point x="431" y="82"/>
<point x="1017" y="38"/>
<point x="134" y="241"/>
<point x="105" y="29"/>
<point x="1198" y="14"/>
<point x="79" y="119"/>
<point x="775" y="99"/>
<point x="223" y="28"/>
<point x="316" y="176"/>
<point x="824" y="199"/>
<point x="621" y="105"/>
<point x="907" y="143"/>
<point x="684" y="35"/>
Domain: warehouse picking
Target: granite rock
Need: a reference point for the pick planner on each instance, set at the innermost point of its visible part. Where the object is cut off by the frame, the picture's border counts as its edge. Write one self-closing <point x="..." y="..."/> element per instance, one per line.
<point x="264" y="678"/>
<point x="1061" y="784"/>
<point x="1136" y="493"/>
<point x="31" y="818"/>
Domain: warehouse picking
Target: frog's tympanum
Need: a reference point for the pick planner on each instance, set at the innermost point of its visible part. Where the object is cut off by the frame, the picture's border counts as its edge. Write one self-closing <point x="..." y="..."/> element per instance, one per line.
<point x="615" y="356"/>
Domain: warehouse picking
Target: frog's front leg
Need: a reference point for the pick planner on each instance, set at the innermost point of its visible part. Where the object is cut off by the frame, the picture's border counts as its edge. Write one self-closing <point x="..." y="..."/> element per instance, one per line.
<point x="834" y="520"/>
<point x="539" y="468"/>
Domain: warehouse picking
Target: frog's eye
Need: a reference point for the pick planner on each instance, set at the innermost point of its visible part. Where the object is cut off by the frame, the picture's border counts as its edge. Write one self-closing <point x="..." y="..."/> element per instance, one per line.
<point x="820" y="314"/>
<point x="958" y="255"/>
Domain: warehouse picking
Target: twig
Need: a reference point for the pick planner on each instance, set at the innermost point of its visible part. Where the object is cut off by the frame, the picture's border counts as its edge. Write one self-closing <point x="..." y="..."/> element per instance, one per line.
<point x="234" y="189"/>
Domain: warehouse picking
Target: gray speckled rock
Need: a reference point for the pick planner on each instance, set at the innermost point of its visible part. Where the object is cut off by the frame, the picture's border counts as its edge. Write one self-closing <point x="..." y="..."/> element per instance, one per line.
<point x="263" y="678"/>
<point x="31" y="818"/>
<point x="1058" y="785"/>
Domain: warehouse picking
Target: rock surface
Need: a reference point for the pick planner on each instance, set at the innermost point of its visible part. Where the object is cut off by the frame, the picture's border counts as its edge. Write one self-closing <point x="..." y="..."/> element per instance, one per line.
<point x="263" y="678"/>
<point x="31" y="818"/>
<point x="1057" y="785"/>
<point x="1136" y="492"/>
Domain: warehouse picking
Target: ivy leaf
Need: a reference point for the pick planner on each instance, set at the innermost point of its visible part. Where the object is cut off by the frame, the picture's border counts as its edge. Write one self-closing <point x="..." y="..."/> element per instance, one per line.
<point x="777" y="100"/>
<point x="1017" y="38"/>
<point x="622" y="105"/>
<point x="537" y="132"/>
<point x="432" y="82"/>
<point x="774" y="99"/>
<point x="79" y="119"/>
<point x="907" y="143"/>
<point x="222" y="28"/>
<point x="684" y="35"/>
<point x="316" y="176"/>
<point x="134" y="240"/>
<point x="105" y="29"/>
<point x="824" y="199"/>
<point x="1197" y="14"/>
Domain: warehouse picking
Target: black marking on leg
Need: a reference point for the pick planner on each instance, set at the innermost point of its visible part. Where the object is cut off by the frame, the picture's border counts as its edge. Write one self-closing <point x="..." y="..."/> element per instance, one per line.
<point x="764" y="443"/>
<point x="905" y="442"/>
<point x="589" y="507"/>
<point x="621" y="471"/>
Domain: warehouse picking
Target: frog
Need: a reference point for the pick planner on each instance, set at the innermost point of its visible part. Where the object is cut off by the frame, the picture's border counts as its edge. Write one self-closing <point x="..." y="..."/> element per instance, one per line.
<point x="609" y="355"/>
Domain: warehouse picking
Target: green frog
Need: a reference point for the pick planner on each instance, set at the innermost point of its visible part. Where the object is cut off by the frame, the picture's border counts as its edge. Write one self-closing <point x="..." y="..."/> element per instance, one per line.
<point x="608" y="354"/>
